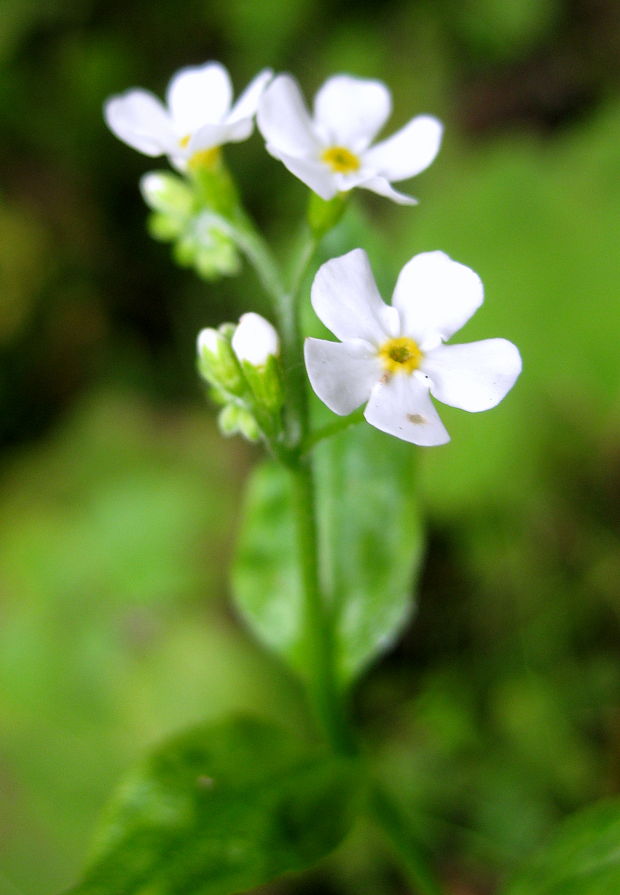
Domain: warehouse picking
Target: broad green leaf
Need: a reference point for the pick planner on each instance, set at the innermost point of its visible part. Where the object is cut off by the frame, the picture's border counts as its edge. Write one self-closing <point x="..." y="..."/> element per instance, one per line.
<point x="583" y="858"/>
<point x="370" y="537"/>
<point x="221" y="809"/>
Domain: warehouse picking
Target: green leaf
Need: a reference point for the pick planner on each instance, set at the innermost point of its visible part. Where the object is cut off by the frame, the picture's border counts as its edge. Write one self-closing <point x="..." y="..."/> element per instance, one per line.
<point x="371" y="544"/>
<point x="583" y="858"/>
<point x="265" y="574"/>
<point x="372" y="540"/>
<point x="219" y="809"/>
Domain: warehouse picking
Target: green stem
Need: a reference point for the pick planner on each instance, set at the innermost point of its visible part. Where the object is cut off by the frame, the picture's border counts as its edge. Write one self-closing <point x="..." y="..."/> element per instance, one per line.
<point x="318" y="620"/>
<point x="394" y="823"/>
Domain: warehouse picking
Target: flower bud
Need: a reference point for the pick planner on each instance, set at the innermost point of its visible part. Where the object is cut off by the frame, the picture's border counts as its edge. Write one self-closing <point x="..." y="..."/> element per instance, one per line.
<point x="217" y="362"/>
<point x="257" y="346"/>
<point x="167" y="193"/>
<point x="255" y="340"/>
<point x="233" y="419"/>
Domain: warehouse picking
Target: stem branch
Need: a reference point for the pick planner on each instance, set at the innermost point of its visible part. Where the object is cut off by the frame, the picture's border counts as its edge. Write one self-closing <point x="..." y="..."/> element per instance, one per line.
<point x="396" y="827"/>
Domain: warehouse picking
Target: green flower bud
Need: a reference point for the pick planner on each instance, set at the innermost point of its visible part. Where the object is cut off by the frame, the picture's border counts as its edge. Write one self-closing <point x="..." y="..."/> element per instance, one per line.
<point x="217" y="362"/>
<point x="256" y="345"/>
<point x="167" y="193"/>
<point x="233" y="419"/>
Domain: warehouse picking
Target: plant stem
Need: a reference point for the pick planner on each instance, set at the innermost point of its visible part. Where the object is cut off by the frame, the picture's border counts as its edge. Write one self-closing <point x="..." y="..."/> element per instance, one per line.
<point x="395" y="825"/>
<point x="318" y="619"/>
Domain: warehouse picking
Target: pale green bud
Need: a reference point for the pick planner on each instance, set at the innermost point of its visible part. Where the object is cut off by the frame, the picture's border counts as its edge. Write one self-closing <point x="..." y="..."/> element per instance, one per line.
<point x="165" y="227"/>
<point x="232" y="420"/>
<point x="217" y="258"/>
<point x="217" y="362"/>
<point x="167" y="193"/>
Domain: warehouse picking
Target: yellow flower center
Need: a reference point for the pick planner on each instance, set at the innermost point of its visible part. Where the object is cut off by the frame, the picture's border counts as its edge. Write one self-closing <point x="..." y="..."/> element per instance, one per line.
<point x="400" y="355"/>
<point x="204" y="158"/>
<point x="340" y="159"/>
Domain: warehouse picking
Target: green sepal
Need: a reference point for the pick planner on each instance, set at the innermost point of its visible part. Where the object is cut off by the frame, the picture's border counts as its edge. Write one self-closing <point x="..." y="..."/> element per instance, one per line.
<point x="233" y="420"/>
<point x="266" y="383"/>
<point x="215" y="188"/>
<point x="324" y="214"/>
<point x="218" y="365"/>
<point x="220" y="809"/>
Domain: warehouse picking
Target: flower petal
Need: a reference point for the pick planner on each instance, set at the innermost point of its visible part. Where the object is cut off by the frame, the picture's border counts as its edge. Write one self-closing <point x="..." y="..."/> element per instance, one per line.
<point x="341" y="373"/>
<point x="284" y="121"/>
<point x="401" y="406"/>
<point x="436" y="296"/>
<point x="199" y="95"/>
<point x="409" y="151"/>
<point x="255" y="340"/>
<point x="210" y="135"/>
<point x="350" y="111"/>
<point x="313" y="174"/>
<point x="139" y="119"/>
<point x="247" y="104"/>
<point x="345" y="298"/>
<point x="474" y="376"/>
<point x="381" y="186"/>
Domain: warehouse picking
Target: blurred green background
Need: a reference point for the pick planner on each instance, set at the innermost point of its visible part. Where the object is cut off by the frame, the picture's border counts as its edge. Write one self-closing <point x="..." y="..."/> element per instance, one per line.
<point x="499" y="710"/>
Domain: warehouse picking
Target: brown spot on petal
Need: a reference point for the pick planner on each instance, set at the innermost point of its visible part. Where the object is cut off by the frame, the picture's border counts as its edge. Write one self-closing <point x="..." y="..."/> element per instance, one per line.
<point x="416" y="418"/>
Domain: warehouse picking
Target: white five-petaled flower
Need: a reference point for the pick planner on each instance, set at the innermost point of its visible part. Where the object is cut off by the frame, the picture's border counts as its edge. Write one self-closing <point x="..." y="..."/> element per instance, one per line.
<point x="393" y="357"/>
<point x="198" y="116"/>
<point x="331" y="152"/>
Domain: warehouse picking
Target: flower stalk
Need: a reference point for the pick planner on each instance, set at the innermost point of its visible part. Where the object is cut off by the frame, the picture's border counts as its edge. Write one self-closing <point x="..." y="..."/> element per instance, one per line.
<point x="318" y="622"/>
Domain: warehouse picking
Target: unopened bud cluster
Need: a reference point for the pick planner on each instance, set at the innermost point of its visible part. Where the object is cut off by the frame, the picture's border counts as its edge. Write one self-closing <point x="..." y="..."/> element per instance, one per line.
<point x="241" y="364"/>
<point x="178" y="216"/>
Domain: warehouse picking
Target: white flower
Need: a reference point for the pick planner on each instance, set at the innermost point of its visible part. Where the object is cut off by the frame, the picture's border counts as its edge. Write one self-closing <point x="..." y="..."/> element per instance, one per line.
<point x="198" y="116"/>
<point x="255" y="340"/>
<point x="393" y="357"/>
<point x="331" y="151"/>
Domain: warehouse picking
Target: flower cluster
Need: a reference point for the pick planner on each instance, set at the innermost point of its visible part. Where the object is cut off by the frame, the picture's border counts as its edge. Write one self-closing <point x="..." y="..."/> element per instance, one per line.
<point x="330" y="152"/>
<point x="240" y="363"/>
<point x="393" y="358"/>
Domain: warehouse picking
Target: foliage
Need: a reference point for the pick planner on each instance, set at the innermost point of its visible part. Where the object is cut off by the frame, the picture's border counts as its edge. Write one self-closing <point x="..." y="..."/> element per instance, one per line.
<point x="221" y="808"/>
<point x="582" y="857"/>
<point x="112" y="563"/>
<point x="369" y="577"/>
